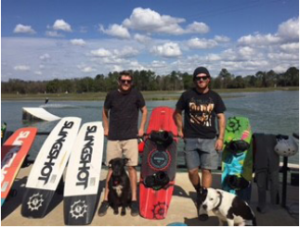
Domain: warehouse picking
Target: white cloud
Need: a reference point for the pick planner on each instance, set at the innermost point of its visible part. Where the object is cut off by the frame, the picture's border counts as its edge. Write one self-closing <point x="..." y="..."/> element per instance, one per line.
<point x="101" y="52"/>
<point x="54" y="34"/>
<point x="150" y="21"/>
<point x="259" y="40"/>
<point x="280" y="69"/>
<point x="117" y="31"/>
<point x="78" y="42"/>
<point x="45" y="57"/>
<point x="117" y="68"/>
<point x="135" y="65"/>
<point x="246" y="52"/>
<point x="222" y="39"/>
<point x="126" y="52"/>
<point x="62" y="25"/>
<point x="283" y="56"/>
<point x="38" y="72"/>
<point x="167" y="50"/>
<point x="158" y="64"/>
<point x="142" y="38"/>
<point x="86" y="69"/>
<point x="290" y="47"/>
<point x="289" y="29"/>
<point x="213" y="57"/>
<point x="113" y="60"/>
<point x="202" y="43"/>
<point x="22" y="68"/>
<point x="197" y="27"/>
<point x="24" y="29"/>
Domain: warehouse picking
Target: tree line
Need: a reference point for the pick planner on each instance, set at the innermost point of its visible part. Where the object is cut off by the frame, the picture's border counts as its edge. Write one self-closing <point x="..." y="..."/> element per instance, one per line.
<point x="150" y="81"/>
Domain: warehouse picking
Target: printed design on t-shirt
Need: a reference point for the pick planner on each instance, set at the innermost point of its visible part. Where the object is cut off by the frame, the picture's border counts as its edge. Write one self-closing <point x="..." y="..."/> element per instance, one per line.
<point x="201" y="112"/>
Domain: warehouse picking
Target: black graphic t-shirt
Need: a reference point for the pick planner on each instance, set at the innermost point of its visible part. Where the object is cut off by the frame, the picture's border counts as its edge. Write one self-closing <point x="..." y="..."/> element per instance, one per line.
<point x="200" y="110"/>
<point x="123" y="113"/>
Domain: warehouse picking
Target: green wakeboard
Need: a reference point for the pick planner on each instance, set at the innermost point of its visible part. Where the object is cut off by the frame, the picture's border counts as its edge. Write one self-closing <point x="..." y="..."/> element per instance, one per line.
<point x="237" y="157"/>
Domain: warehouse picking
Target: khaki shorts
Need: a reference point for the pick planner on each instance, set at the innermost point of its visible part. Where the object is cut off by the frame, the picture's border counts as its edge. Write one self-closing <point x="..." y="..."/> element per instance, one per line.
<point x="116" y="149"/>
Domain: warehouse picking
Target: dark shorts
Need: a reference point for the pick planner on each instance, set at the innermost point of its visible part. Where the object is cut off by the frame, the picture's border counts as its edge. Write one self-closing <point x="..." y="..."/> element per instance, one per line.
<point x="201" y="152"/>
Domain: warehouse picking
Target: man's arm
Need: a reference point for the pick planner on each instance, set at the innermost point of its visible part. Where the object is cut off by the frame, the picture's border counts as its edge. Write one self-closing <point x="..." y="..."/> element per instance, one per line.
<point x="222" y="124"/>
<point x="178" y="120"/>
<point x="105" y="121"/>
<point x="143" y="121"/>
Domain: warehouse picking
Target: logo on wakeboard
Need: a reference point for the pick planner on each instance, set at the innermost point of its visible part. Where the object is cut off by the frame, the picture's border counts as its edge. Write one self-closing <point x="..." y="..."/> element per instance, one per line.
<point x="159" y="160"/>
<point x="35" y="202"/>
<point x="54" y="152"/>
<point x="233" y="125"/>
<point x="160" y="210"/>
<point x="78" y="209"/>
<point x="86" y="157"/>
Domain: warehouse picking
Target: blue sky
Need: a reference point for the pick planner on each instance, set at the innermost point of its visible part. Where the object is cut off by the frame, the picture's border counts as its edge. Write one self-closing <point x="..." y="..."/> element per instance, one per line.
<point x="43" y="40"/>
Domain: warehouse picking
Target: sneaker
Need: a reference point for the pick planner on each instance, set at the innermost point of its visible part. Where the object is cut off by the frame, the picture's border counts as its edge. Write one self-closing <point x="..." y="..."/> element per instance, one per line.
<point x="103" y="208"/>
<point x="134" y="208"/>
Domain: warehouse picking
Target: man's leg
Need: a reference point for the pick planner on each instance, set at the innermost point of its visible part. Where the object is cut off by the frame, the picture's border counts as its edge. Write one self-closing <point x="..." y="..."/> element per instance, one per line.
<point x="206" y="178"/>
<point x="209" y="160"/>
<point x="133" y="182"/>
<point x="106" y="184"/>
<point x="195" y="179"/>
<point x="104" y="205"/>
<point x="130" y="150"/>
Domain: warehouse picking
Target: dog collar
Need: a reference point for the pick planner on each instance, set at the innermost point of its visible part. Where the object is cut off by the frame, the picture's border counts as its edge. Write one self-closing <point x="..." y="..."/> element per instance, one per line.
<point x="219" y="204"/>
<point x="116" y="182"/>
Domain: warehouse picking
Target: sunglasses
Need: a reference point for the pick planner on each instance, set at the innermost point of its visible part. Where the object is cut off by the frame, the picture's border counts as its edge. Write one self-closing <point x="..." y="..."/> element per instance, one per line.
<point x="125" y="81"/>
<point x="202" y="78"/>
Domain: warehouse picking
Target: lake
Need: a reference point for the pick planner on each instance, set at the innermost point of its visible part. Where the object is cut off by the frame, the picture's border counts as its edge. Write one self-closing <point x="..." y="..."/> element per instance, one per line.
<point x="274" y="112"/>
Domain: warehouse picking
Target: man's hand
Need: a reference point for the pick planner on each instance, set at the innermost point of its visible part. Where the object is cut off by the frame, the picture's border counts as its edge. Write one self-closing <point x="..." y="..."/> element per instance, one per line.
<point x="219" y="145"/>
<point x="106" y="132"/>
<point x="180" y="134"/>
<point x="141" y="132"/>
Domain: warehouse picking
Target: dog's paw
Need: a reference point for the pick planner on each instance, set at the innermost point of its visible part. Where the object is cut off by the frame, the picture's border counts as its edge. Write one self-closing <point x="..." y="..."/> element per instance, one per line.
<point x="123" y="213"/>
<point x="116" y="212"/>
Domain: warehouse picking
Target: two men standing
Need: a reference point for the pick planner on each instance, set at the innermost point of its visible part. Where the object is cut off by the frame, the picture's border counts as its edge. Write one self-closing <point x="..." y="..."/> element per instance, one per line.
<point x="201" y="107"/>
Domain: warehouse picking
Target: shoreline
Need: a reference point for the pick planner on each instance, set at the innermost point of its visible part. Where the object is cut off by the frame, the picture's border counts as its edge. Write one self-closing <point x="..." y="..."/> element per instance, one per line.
<point x="148" y="95"/>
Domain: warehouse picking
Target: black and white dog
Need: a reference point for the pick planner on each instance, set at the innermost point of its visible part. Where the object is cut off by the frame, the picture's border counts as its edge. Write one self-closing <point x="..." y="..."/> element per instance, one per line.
<point x="119" y="186"/>
<point x="226" y="206"/>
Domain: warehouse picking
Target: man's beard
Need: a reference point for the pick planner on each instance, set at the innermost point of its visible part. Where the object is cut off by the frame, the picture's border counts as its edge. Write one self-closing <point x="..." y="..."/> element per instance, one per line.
<point x="125" y="91"/>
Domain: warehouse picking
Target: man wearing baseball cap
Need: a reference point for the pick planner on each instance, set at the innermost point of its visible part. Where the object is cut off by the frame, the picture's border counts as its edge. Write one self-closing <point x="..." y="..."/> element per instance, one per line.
<point x="201" y="106"/>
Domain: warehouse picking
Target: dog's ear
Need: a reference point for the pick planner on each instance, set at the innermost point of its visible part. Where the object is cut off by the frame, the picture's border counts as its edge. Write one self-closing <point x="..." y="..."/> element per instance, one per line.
<point x="110" y="163"/>
<point x="125" y="160"/>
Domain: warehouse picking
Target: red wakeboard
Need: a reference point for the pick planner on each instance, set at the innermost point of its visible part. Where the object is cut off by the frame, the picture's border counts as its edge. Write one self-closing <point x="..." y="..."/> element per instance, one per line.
<point x="158" y="158"/>
<point x="13" y="153"/>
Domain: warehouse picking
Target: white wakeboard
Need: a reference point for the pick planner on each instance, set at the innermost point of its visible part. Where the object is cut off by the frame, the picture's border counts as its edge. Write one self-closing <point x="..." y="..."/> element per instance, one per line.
<point x="48" y="167"/>
<point x="83" y="175"/>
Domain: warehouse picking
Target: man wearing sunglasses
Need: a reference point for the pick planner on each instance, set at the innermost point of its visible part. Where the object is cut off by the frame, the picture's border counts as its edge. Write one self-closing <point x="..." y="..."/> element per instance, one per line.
<point x="120" y="120"/>
<point x="201" y="106"/>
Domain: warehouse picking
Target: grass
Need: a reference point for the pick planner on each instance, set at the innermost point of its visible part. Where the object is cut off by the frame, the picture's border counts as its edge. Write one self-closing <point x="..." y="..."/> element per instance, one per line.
<point x="148" y="95"/>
